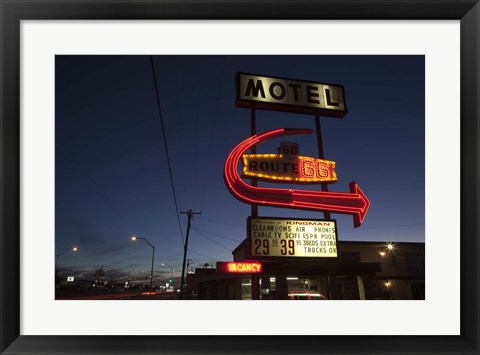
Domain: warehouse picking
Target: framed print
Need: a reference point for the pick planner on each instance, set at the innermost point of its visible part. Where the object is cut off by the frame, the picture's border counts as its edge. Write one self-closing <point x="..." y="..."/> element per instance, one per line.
<point x="128" y="227"/>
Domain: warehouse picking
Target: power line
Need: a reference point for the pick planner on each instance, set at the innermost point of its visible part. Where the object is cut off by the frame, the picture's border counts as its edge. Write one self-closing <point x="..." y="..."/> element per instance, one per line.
<point x="399" y="226"/>
<point x="222" y="222"/>
<point x="216" y="235"/>
<point x="195" y="259"/>
<point x="166" y="147"/>
<point x="213" y="241"/>
<point x="207" y="257"/>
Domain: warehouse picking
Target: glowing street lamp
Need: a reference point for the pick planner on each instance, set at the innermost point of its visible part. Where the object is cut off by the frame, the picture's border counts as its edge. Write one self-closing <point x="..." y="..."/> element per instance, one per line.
<point x="389" y="248"/>
<point x="74" y="249"/>
<point x="387" y="285"/>
<point x="171" y="275"/>
<point x="134" y="237"/>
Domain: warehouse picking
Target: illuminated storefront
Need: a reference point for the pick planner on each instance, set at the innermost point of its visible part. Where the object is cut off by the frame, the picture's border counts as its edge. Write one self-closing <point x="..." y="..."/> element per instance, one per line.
<point x="365" y="270"/>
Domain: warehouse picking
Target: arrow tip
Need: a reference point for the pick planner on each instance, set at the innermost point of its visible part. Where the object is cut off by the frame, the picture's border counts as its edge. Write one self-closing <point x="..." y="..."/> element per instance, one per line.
<point x="364" y="204"/>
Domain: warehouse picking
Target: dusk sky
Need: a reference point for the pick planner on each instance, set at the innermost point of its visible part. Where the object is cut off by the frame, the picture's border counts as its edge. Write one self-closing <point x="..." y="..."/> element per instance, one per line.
<point x="112" y="178"/>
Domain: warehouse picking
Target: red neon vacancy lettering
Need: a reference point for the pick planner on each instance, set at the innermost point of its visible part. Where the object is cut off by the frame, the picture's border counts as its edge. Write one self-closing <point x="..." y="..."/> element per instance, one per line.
<point x="244" y="267"/>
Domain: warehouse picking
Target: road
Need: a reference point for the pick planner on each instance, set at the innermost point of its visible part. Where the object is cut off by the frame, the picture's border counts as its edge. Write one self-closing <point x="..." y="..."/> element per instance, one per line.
<point x="111" y="295"/>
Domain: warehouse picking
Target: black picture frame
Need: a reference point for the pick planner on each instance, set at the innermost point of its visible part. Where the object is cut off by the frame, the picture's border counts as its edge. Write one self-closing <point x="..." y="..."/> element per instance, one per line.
<point x="12" y="12"/>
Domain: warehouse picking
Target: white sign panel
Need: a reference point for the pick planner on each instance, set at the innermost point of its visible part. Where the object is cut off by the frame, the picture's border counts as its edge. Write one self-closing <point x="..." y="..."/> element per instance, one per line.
<point x="294" y="238"/>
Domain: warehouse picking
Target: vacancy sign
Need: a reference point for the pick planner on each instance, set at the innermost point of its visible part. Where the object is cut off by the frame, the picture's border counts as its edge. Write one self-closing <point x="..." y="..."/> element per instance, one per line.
<point x="250" y="267"/>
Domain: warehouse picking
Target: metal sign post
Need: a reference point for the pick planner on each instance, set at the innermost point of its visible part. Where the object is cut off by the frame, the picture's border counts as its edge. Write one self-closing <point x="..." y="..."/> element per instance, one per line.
<point x="332" y="266"/>
<point x="254" y="208"/>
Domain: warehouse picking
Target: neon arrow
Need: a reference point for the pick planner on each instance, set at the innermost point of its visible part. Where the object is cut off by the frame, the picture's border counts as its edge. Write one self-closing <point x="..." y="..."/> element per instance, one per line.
<point x="354" y="202"/>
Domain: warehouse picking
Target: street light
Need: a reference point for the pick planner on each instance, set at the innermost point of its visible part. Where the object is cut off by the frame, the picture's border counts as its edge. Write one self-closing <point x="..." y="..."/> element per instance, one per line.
<point x="74" y="249"/>
<point x="134" y="237"/>
<point x="390" y="249"/>
<point x="171" y="275"/>
<point x="387" y="285"/>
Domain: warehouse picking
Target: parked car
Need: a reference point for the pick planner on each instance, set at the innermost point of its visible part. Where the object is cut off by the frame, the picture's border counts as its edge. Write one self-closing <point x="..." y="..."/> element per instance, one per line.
<point x="305" y="295"/>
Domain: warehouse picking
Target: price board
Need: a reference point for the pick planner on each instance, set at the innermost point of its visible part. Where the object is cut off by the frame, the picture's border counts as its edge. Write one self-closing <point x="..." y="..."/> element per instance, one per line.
<point x="271" y="237"/>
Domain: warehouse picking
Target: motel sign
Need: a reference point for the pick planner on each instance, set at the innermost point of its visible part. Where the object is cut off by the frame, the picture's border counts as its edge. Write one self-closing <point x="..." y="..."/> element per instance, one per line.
<point x="280" y="94"/>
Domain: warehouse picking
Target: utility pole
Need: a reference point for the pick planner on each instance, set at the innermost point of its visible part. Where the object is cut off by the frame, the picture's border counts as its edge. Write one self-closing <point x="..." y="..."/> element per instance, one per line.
<point x="189" y="214"/>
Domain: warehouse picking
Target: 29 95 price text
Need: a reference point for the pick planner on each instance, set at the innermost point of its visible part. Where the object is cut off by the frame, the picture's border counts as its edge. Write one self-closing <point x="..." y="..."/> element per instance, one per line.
<point x="262" y="247"/>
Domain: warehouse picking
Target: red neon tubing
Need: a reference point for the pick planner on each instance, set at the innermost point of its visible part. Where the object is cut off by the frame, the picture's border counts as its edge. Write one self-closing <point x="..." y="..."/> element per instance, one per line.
<point x="354" y="202"/>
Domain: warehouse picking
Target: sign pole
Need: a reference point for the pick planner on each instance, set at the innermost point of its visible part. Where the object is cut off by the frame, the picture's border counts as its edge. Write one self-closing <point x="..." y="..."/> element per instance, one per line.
<point x="254" y="208"/>
<point x="253" y="150"/>
<point x="332" y="267"/>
